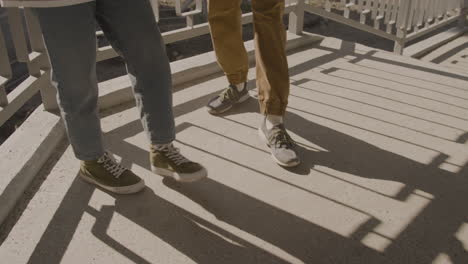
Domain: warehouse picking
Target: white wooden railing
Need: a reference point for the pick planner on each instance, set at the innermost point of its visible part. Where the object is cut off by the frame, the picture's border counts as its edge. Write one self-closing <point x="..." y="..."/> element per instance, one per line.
<point x="398" y="20"/>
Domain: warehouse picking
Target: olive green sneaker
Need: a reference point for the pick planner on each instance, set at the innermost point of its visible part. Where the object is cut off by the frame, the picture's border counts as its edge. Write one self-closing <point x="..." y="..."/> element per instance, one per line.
<point x="109" y="175"/>
<point x="227" y="99"/>
<point x="167" y="161"/>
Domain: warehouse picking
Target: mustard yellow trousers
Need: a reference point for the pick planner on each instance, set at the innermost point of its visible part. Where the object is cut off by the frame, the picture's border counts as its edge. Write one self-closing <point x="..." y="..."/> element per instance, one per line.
<point x="270" y="44"/>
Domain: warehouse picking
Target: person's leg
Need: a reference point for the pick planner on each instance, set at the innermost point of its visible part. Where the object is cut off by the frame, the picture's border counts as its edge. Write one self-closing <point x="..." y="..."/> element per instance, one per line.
<point x="272" y="65"/>
<point x="226" y="31"/>
<point x="273" y="78"/>
<point x="131" y="28"/>
<point x="69" y="34"/>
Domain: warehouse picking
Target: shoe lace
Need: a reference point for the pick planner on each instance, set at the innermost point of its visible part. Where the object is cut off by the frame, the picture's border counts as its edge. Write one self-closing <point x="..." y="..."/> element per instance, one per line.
<point x="282" y="139"/>
<point x="111" y="165"/>
<point x="173" y="154"/>
<point x="229" y="94"/>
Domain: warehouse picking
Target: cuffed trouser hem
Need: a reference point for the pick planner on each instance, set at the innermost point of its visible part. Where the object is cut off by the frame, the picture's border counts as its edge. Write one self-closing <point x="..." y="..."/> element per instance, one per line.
<point x="237" y="78"/>
<point x="270" y="108"/>
<point x="89" y="157"/>
<point x="162" y="141"/>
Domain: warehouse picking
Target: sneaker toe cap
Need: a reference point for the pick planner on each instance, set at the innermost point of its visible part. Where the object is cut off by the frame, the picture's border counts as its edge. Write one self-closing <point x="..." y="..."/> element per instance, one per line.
<point x="286" y="157"/>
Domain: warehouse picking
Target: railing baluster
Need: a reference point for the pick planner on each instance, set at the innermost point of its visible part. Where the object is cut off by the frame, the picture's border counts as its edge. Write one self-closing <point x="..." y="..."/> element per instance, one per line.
<point x="421" y="14"/>
<point x="5" y="67"/>
<point x="462" y="14"/>
<point x="5" y="70"/>
<point x="379" y="13"/>
<point x="15" y="20"/>
<point x="328" y="5"/>
<point x="296" y="18"/>
<point x="155" y="6"/>
<point x="366" y="9"/>
<point x="360" y="6"/>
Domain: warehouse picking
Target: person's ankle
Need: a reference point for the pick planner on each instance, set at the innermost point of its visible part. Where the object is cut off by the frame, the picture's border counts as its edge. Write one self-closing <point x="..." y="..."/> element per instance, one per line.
<point x="273" y="120"/>
<point x="241" y="86"/>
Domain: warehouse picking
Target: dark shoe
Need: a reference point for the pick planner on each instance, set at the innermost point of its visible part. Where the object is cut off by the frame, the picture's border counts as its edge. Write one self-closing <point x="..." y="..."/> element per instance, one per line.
<point x="109" y="175"/>
<point x="227" y="99"/>
<point x="167" y="161"/>
<point x="282" y="147"/>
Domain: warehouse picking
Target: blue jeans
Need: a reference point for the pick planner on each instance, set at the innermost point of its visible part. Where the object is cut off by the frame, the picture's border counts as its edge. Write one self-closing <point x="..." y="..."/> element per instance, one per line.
<point x="130" y="27"/>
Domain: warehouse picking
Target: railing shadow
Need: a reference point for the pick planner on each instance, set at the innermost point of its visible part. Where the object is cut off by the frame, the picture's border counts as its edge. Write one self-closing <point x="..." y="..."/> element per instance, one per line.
<point x="433" y="230"/>
<point x="443" y="57"/>
<point x="430" y="233"/>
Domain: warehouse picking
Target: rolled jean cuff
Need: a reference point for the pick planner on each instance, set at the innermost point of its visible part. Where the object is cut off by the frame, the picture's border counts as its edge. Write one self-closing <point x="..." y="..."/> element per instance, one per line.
<point x="273" y="108"/>
<point x="162" y="141"/>
<point x="237" y="78"/>
<point x="89" y="157"/>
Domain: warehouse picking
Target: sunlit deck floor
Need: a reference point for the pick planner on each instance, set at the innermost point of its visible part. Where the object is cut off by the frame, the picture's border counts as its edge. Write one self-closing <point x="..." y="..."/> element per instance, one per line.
<point x="384" y="177"/>
<point x="453" y="55"/>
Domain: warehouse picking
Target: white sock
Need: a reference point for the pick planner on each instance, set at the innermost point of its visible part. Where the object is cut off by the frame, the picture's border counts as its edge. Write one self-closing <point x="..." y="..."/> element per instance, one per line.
<point x="273" y="120"/>
<point x="240" y="87"/>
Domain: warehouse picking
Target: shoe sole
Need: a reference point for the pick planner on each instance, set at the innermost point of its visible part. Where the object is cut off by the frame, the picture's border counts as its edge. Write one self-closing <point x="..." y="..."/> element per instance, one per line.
<point x="118" y="190"/>
<point x="290" y="165"/>
<point x="241" y="100"/>
<point x="181" y="177"/>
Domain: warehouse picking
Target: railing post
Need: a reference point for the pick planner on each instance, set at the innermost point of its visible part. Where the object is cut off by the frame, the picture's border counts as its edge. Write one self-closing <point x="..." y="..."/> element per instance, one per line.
<point x="296" y="18"/>
<point x="5" y="69"/>
<point x="15" y="20"/>
<point x="48" y="93"/>
<point x="38" y="58"/>
<point x="38" y="63"/>
<point x="463" y="13"/>
<point x="404" y="20"/>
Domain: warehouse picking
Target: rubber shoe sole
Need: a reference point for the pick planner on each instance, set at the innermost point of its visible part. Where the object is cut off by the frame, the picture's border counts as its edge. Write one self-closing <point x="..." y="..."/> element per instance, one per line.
<point x="215" y="112"/>
<point x="118" y="190"/>
<point x="287" y="165"/>
<point x="181" y="177"/>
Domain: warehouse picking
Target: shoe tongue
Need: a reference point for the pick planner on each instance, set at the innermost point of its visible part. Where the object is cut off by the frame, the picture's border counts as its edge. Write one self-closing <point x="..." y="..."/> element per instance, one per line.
<point x="104" y="158"/>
